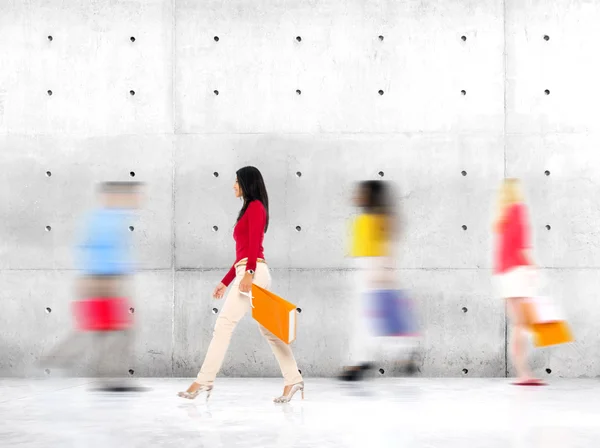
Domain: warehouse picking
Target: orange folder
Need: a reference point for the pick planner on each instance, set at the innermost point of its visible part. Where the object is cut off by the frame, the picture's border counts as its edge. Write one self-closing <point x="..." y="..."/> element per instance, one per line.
<point x="274" y="313"/>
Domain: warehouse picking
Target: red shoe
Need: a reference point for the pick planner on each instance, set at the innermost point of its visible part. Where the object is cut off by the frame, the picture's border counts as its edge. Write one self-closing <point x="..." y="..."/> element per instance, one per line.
<point x="530" y="382"/>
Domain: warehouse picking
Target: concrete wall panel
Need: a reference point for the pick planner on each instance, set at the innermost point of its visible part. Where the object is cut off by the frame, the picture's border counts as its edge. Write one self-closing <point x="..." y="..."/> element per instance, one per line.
<point x="300" y="169"/>
<point x="325" y="300"/>
<point x="340" y="65"/>
<point x="560" y="65"/>
<point x="432" y="218"/>
<point x="196" y="314"/>
<point x="51" y="181"/>
<point x="574" y="290"/>
<point x="90" y="65"/>
<point x="28" y="330"/>
<point x="565" y="199"/>
<point x="37" y="318"/>
<point x="204" y="200"/>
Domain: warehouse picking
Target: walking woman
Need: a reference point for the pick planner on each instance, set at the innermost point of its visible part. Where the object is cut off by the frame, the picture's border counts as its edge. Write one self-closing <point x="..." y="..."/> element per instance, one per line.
<point x="249" y="267"/>
<point x="515" y="271"/>
<point x="372" y="235"/>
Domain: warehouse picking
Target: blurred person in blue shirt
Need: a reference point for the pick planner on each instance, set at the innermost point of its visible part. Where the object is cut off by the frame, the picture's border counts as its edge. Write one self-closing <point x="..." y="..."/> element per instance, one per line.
<point x="106" y="263"/>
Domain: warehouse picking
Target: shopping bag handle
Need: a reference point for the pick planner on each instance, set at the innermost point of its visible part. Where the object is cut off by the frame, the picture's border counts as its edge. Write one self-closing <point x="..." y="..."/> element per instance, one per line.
<point x="249" y="295"/>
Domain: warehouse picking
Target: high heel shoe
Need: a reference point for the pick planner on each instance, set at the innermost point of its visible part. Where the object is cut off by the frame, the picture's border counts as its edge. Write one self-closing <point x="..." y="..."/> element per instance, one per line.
<point x="287" y="398"/>
<point x="193" y="395"/>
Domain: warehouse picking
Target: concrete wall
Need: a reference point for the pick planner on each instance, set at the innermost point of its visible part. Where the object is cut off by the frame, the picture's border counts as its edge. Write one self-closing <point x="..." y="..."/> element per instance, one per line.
<point x="175" y="132"/>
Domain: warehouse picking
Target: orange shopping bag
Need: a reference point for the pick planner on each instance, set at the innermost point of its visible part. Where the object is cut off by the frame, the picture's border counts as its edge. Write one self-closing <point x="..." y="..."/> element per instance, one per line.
<point x="274" y="313"/>
<point x="547" y="322"/>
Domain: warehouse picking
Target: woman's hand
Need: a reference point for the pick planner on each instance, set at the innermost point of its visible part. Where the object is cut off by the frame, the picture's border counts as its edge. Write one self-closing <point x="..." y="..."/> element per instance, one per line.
<point x="528" y="257"/>
<point x="219" y="291"/>
<point x="246" y="283"/>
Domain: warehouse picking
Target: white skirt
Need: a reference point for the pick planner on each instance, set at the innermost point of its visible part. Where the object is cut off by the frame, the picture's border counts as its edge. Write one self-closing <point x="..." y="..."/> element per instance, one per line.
<point x="521" y="281"/>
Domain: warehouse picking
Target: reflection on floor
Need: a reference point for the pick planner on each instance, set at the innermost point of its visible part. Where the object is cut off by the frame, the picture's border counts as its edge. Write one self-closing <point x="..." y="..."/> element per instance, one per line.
<point x="465" y="413"/>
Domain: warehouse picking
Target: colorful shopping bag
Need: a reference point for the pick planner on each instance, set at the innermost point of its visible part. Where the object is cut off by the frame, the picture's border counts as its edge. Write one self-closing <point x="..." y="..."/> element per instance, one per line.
<point x="102" y="314"/>
<point x="393" y="313"/>
<point x="546" y="321"/>
<point x="274" y="313"/>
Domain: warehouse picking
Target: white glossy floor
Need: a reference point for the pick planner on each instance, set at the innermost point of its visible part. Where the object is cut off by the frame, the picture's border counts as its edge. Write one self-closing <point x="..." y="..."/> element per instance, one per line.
<point x="380" y="413"/>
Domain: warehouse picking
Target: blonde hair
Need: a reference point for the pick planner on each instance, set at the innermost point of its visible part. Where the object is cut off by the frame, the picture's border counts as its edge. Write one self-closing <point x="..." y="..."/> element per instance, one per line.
<point x="510" y="193"/>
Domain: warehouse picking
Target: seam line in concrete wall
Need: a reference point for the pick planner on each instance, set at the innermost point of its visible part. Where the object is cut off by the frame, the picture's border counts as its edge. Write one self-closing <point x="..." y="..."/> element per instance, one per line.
<point x="275" y="134"/>
<point x="224" y="269"/>
<point x="173" y="180"/>
<point x="505" y="62"/>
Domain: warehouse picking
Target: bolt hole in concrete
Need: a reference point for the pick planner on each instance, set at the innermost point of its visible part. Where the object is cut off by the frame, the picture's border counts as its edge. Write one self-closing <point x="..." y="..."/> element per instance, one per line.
<point x="216" y="174"/>
<point x="216" y="38"/>
<point x="548" y="227"/>
<point x="381" y="38"/>
<point x="131" y="371"/>
<point x="132" y="92"/>
<point x="299" y="310"/>
<point x="50" y="38"/>
<point x="463" y="92"/>
<point x="215" y="310"/>
<point x="381" y="92"/>
<point x="131" y="228"/>
<point x="216" y="92"/>
<point x="131" y="310"/>
<point x="48" y="310"/>
<point x="465" y="371"/>
<point x="547" y="92"/>
<point x="215" y="228"/>
<point x="298" y="92"/>
<point x="49" y="92"/>
<point x="48" y="228"/>
<point x="381" y="371"/>
<point x="132" y="173"/>
<point x="464" y="227"/>
<point x="464" y="173"/>
<point x="298" y="39"/>
<point x="132" y="39"/>
<point x="48" y="174"/>
<point x="298" y="174"/>
<point x="381" y="174"/>
<point x="464" y="309"/>
<point x="547" y="173"/>
<point x="298" y="228"/>
<point x="546" y="38"/>
<point x="548" y="371"/>
<point x="464" y="38"/>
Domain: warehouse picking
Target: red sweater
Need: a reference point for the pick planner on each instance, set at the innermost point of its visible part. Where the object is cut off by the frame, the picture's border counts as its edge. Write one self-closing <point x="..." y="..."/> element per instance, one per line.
<point x="248" y="234"/>
<point x="512" y="240"/>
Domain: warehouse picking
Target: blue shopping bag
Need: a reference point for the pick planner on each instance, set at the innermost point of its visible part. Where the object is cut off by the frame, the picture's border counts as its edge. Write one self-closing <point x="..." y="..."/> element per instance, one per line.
<point x="393" y="313"/>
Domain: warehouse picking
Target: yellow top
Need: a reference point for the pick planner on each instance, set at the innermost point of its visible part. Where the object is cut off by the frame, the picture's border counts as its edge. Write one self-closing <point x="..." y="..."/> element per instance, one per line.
<point x="369" y="237"/>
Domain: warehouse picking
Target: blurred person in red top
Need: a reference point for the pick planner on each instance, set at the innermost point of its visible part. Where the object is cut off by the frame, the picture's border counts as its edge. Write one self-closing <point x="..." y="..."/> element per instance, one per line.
<point x="249" y="267"/>
<point x="514" y="270"/>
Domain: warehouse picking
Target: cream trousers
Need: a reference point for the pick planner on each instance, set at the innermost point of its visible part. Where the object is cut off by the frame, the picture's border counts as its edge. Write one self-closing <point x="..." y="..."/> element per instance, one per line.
<point x="236" y="306"/>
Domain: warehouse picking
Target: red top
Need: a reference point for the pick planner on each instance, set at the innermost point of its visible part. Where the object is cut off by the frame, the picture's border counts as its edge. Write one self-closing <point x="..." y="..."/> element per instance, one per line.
<point x="512" y="239"/>
<point x="248" y="234"/>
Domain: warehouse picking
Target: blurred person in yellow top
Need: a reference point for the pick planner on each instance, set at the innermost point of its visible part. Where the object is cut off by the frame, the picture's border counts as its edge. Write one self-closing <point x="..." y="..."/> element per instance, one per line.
<point x="373" y="236"/>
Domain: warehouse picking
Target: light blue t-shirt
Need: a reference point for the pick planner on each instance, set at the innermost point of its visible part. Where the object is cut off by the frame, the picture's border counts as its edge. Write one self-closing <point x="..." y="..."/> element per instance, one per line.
<point x="105" y="249"/>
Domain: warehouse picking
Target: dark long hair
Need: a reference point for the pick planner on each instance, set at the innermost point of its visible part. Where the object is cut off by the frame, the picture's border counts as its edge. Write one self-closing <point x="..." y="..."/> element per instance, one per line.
<point x="253" y="189"/>
<point x="380" y="199"/>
